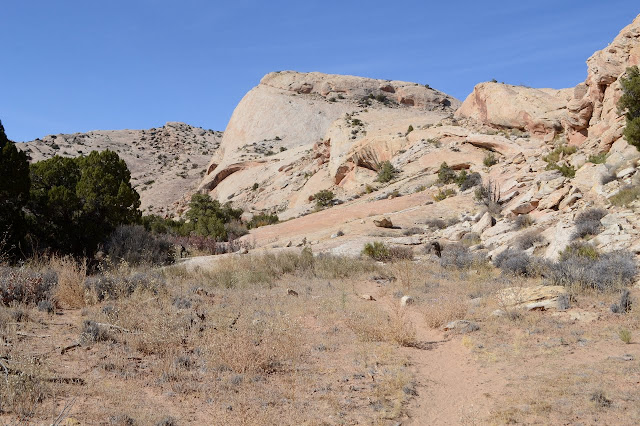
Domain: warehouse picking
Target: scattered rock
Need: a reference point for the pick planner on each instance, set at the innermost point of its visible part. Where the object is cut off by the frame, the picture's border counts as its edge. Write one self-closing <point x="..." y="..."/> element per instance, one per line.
<point x="367" y="297"/>
<point x="406" y="301"/>
<point x="462" y="326"/>
<point x="540" y="297"/>
<point x="292" y="292"/>
<point x="383" y="223"/>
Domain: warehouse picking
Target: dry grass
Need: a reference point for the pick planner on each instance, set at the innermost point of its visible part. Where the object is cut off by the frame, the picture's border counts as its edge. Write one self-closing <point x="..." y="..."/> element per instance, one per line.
<point x="231" y="344"/>
<point x="445" y="308"/>
<point x="70" y="291"/>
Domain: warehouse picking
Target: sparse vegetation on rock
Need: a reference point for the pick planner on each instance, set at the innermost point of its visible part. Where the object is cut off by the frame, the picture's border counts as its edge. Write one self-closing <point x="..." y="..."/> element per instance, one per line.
<point x="629" y="103"/>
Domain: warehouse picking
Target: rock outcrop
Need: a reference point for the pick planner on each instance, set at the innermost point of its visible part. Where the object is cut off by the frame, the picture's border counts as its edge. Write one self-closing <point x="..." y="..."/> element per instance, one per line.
<point x="298" y="133"/>
<point x="592" y="111"/>
<point x="537" y="111"/>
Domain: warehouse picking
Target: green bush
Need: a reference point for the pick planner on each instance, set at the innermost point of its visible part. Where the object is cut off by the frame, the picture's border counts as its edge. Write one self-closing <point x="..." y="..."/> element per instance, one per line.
<point x="262" y="219"/>
<point x="625" y="196"/>
<point x="207" y="217"/>
<point x="386" y="172"/>
<point x="565" y="169"/>
<point x="409" y="129"/>
<point x="324" y="198"/>
<point x="630" y="104"/>
<point x="75" y="203"/>
<point x="441" y="195"/>
<point x="564" y="150"/>
<point x="466" y="181"/>
<point x="597" y="158"/>
<point x="446" y="174"/>
<point x="376" y="250"/>
<point x="489" y="159"/>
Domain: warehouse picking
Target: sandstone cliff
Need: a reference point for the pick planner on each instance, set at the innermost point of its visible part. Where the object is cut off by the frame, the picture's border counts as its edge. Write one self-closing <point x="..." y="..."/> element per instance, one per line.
<point x="295" y="134"/>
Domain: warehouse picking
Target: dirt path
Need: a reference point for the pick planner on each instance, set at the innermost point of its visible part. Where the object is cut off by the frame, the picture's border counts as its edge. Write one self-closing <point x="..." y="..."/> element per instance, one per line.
<point x="452" y="386"/>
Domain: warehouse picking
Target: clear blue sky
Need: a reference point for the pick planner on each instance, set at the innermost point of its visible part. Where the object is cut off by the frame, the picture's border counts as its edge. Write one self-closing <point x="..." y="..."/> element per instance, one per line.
<point x="74" y="66"/>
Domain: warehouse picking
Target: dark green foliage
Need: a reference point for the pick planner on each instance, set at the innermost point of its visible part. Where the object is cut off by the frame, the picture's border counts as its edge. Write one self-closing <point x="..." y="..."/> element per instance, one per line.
<point x="409" y="129"/>
<point x="262" y="219"/>
<point x="565" y="169"/>
<point x="56" y="210"/>
<point x="376" y="250"/>
<point x="560" y="151"/>
<point x="597" y="158"/>
<point x="137" y="246"/>
<point x="14" y="194"/>
<point x="442" y="195"/>
<point x="579" y="249"/>
<point x="489" y="159"/>
<point x="446" y="174"/>
<point x="160" y="225"/>
<point x="77" y="202"/>
<point x="207" y="217"/>
<point x="386" y="172"/>
<point x="630" y="103"/>
<point x="324" y="198"/>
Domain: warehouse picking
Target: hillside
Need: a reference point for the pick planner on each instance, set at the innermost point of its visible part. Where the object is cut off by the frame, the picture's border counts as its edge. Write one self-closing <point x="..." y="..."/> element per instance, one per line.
<point x="166" y="163"/>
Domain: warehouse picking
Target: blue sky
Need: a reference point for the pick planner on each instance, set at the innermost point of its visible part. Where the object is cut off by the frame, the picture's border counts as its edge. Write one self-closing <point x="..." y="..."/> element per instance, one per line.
<point x="74" y="66"/>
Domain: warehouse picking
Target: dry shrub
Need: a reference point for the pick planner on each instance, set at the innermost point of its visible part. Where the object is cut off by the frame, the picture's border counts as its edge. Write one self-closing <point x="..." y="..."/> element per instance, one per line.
<point x="445" y="308"/>
<point x="23" y="392"/>
<point x="70" y="290"/>
<point x="393" y="391"/>
<point x="371" y="324"/>
<point x="264" y="346"/>
<point x="25" y="285"/>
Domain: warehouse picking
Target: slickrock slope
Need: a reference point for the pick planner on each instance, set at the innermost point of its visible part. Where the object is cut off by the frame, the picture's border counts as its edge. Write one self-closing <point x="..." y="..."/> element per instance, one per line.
<point x="296" y="134"/>
<point x="166" y="163"/>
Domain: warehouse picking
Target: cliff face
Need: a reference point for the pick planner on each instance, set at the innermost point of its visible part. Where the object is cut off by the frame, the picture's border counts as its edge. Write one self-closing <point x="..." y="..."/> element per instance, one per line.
<point x="166" y="163"/>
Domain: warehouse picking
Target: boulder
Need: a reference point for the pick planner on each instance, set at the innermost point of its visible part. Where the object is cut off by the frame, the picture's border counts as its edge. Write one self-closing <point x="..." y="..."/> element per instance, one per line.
<point x="406" y="300"/>
<point x="540" y="297"/>
<point x="461" y="326"/>
<point x="485" y="222"/>
<point x="383" y="223"/>
<point x="552" y="200"/>
<point x="538" y="111"/>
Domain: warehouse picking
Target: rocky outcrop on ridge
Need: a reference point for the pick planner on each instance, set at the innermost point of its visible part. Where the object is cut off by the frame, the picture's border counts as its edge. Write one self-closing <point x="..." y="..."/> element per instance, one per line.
<point x="166" y="163"/>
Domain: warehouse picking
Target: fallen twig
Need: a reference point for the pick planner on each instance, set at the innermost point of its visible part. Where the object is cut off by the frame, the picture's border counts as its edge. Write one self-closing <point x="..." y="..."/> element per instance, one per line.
<point x="22" y="333"/>
<point x="68" y="348"/>
<point x="64" y="412"/>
